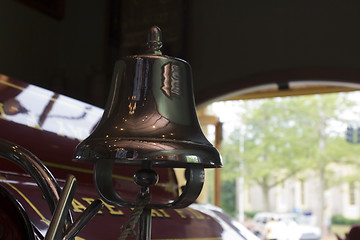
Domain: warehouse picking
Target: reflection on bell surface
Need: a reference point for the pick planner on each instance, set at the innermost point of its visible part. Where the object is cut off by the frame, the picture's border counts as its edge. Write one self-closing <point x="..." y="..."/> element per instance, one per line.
<point x="150" y="115"/>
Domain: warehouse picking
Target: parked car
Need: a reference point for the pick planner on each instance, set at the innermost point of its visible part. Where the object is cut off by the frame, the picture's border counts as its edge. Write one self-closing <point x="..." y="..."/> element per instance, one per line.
<point x="284" y="226"/>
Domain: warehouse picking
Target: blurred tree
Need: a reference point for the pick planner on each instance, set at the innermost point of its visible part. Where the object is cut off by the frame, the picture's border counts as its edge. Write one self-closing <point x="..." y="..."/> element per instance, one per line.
<point x="228" y="199"/>
<point x="282" y="137"/>
<point x="278" y="142"/>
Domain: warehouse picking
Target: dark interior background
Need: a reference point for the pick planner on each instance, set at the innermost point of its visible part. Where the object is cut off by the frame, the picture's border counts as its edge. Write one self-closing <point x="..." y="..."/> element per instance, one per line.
<point x="71" y="46"/>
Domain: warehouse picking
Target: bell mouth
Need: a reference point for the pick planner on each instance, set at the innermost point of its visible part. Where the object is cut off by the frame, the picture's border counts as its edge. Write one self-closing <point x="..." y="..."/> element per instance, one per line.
<point x="160" y="152"/>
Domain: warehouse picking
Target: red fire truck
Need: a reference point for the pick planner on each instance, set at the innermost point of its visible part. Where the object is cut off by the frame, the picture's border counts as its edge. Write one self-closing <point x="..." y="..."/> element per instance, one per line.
<point x="39" y="124"/>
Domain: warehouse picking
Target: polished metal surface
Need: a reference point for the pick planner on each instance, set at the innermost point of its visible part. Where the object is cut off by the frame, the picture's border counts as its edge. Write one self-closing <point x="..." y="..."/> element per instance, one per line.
<point x="37" y="170"/>
<point x="83" y="219"/>
<point x="61" y="225"/>
<point x="144" y="226"/>
<point x="58" y="228"/>
<point x="194" y="181"/>
<point x="57" y="224"/>
<point x="150" y="115"/>
<point x="149" y="121"/>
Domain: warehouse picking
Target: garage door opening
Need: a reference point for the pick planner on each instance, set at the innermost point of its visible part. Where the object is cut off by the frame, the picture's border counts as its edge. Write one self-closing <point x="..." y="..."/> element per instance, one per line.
<point x="291" y="150"/>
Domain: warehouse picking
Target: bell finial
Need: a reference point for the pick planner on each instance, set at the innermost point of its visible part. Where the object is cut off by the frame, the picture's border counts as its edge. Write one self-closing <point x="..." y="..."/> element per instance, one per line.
<point x="154" y="42"/>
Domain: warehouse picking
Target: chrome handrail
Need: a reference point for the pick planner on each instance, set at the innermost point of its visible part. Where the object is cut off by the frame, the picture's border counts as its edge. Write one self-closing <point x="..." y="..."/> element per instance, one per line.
<point x="61" y="225"/>
<point x="37" y="170"/>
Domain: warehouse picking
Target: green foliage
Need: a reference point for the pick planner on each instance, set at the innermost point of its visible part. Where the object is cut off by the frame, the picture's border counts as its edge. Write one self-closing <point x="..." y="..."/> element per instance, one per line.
<point x="280" y="138"/>
<point x="228" y="199"/>
<point x="231" y="158"/>
<point x="341" y="220"/>
<point x="340" y="230"/>
<point x="250" y="214"/>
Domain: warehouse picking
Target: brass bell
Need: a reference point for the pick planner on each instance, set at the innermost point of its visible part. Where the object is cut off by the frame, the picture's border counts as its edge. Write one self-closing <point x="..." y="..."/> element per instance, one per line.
<point x="150" y="115"/>
<point x="149" y="121"/>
